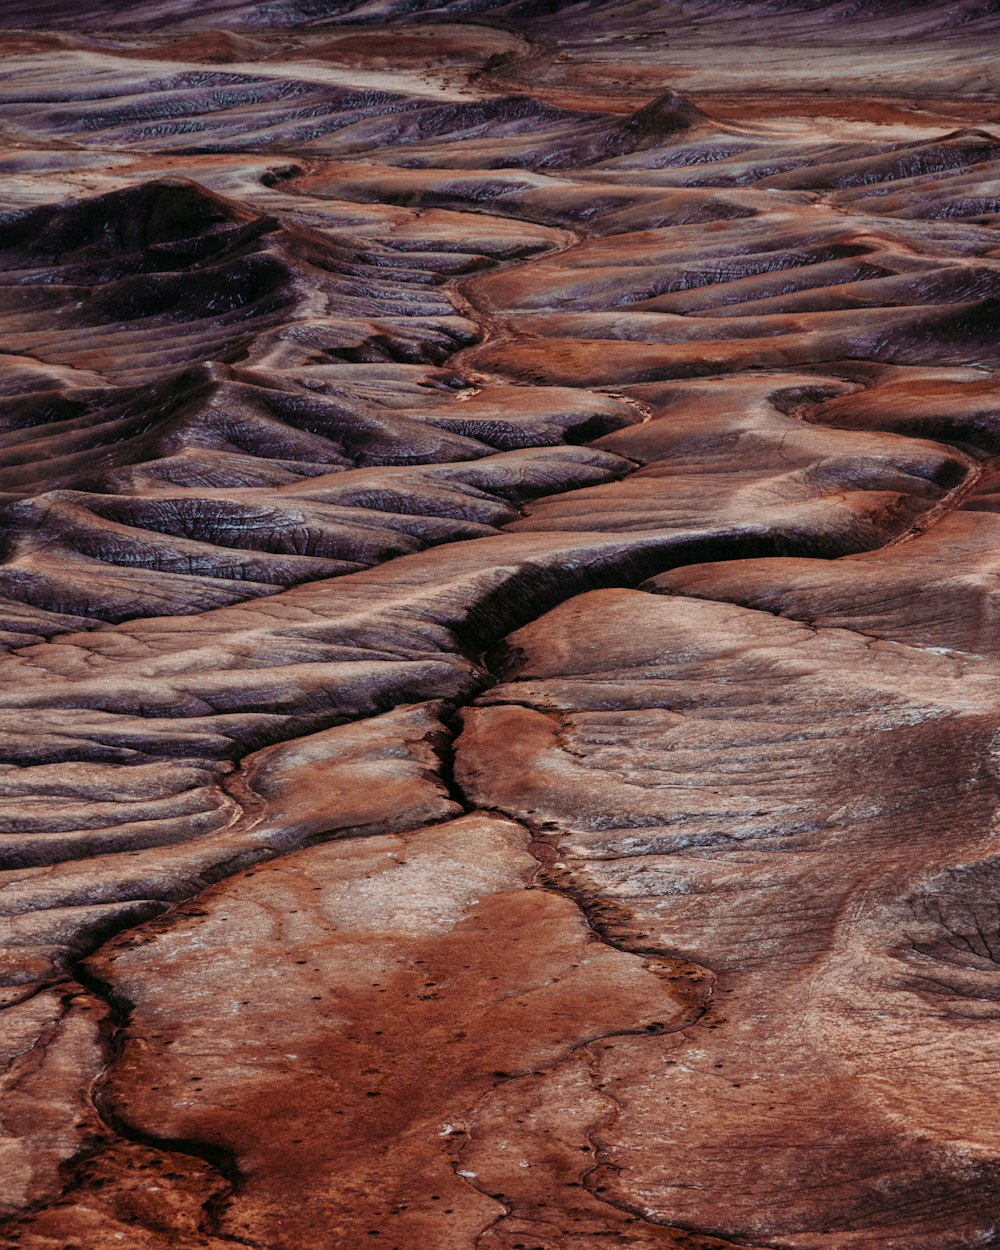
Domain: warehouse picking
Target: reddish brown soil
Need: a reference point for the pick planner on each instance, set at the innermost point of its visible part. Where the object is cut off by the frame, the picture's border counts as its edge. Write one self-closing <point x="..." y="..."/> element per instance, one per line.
<point x="499" y="664"/>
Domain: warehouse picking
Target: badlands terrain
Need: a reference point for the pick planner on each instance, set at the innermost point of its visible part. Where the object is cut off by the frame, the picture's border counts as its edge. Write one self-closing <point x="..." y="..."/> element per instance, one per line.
<point x="499" y="596"/>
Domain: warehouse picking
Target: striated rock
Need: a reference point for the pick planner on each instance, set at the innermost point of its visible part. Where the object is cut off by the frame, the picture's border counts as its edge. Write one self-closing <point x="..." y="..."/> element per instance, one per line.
<point x="416" y="973"/>
<point x="52" y="1054"/>
<point x="498" y="600"/>
<point x="742" y="789"/>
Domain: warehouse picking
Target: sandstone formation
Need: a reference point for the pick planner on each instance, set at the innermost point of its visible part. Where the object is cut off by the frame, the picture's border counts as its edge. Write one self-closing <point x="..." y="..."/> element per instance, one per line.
<point x="499" y="667"/>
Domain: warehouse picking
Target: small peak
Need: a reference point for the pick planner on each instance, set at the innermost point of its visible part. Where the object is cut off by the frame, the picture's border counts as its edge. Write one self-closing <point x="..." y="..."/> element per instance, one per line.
<point x="667" y="114"/>
<point x="968" y="133"/>
<point x="163" y="210"/>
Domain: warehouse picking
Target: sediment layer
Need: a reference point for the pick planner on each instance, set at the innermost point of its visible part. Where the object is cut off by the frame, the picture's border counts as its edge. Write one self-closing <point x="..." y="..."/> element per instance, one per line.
<point x="499" y="669"/>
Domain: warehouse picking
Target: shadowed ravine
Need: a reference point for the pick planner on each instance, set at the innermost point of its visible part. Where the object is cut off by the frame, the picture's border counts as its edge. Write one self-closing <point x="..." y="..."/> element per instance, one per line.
<point x="499" y="671"/>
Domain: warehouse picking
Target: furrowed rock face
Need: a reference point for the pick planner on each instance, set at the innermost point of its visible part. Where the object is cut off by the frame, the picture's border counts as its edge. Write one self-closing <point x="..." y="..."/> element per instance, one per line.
<point x="499" y="679"/>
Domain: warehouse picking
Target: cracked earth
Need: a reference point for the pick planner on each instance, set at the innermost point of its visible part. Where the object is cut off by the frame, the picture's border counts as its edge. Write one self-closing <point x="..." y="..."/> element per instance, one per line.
<point x="500" y="681"/>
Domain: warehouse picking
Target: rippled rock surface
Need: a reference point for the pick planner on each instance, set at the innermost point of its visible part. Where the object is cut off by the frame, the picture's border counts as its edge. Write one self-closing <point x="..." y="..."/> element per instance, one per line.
<point x="499" y="601"/>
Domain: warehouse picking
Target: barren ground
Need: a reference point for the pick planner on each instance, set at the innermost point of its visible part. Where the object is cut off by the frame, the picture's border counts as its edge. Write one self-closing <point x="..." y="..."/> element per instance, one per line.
<point x="500" y="677"/>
